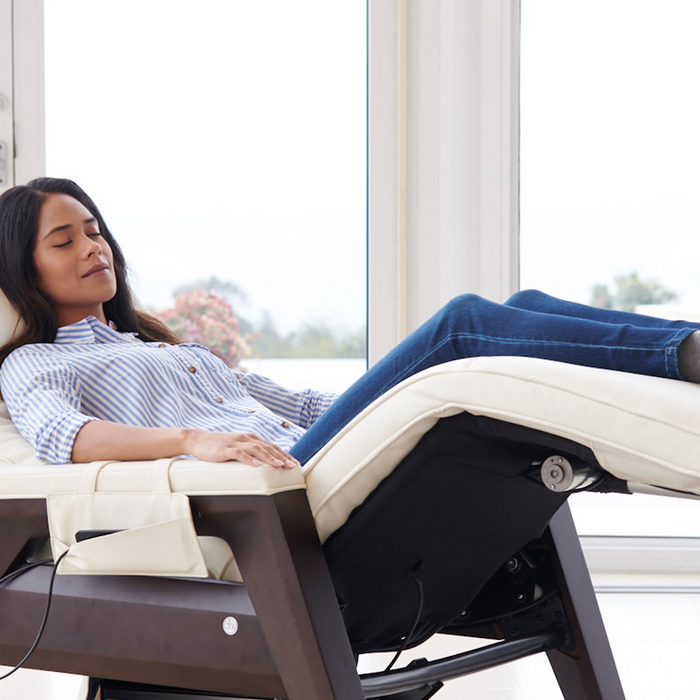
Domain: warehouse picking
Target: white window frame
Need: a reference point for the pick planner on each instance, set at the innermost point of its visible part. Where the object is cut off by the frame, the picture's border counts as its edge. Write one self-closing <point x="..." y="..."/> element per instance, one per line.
<point x="6" y="96"/>
<point x="28" y="72"/>
<point x="443" y="158"/>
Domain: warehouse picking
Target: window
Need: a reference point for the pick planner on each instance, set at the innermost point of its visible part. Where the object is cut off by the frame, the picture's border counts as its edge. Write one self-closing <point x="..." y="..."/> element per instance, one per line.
<point x="609" y="184"/>
<point x="225" y="142"/>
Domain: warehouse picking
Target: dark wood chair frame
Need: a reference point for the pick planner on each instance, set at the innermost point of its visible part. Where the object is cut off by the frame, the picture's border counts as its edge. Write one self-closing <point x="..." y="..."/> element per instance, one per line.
<point x="164" y="638"/>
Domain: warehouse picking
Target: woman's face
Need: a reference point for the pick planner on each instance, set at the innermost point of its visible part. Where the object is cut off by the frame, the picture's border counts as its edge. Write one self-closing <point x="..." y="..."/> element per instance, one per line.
<point x="74" y="264"/>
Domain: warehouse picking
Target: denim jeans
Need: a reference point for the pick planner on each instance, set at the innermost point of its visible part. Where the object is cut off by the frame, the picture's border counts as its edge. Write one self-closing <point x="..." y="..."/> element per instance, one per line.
<point x="529" y="324"/>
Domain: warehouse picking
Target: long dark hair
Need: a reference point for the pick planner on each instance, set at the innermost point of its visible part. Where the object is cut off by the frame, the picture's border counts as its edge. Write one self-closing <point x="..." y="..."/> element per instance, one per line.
<point x="19" y="216"/>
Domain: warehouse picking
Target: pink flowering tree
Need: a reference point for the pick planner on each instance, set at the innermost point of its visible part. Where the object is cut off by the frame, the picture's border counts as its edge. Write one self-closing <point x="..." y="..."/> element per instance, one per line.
<point x="207" y="318"/>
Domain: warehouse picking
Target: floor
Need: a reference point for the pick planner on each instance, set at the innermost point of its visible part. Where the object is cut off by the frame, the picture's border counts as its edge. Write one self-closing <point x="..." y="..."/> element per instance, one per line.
<point x="652" y="623"/>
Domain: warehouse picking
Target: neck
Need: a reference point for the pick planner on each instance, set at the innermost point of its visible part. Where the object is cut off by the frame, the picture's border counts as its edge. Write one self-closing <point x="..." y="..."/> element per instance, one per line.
<point x="69" y="317"/>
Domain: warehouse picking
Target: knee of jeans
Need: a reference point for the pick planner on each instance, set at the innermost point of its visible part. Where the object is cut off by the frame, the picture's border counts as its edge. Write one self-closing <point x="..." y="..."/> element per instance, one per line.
<point x="462" y="307"/>
<point x="525" y="298"/>
<point x="464" y="301"/>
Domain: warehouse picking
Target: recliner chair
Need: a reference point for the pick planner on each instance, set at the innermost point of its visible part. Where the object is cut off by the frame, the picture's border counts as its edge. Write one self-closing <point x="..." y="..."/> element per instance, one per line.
<point x="440" y="508"/>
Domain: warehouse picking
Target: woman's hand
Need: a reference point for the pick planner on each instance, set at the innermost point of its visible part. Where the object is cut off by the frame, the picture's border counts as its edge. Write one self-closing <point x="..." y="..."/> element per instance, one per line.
<point x="240" y="447"/>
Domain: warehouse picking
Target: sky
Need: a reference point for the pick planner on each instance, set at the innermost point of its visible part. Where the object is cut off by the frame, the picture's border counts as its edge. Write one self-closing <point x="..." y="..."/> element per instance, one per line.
<point x="220" y="138"/>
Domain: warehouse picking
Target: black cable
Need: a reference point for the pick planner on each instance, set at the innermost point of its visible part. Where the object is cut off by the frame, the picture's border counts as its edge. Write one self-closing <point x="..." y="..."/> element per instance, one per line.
<point x="14" y="574"/>
<point x="409" y="636"/>
<point x="24" y="569"/>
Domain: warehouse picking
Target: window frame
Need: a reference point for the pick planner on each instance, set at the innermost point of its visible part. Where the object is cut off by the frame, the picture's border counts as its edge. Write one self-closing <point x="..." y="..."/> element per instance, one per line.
<point x="443" y="86"/>
<point x="28" y="71"/>
<point x="6" y="90"/>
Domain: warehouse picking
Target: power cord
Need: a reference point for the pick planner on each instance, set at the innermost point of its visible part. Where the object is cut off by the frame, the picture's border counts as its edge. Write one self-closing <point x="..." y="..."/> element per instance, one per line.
<point x="409" y="636"/>
<point x="14" y="575"/>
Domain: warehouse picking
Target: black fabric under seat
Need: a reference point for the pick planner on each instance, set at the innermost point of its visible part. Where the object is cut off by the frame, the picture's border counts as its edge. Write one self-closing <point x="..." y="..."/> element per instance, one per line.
<point x="450" y="514"/>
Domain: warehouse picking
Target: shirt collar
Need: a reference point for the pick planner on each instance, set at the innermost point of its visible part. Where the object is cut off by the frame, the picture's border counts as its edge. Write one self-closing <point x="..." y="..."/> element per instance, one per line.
<point x="90" y="330"/>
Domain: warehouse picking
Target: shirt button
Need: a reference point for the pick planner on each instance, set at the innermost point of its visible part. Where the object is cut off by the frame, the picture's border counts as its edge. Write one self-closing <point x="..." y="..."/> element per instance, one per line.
<point x="285" y="424"/>
<point x="192" y="369"/>
<point x="251" y="410"/>
<point x="161" y="345"/>
<point x="218" y="399"/>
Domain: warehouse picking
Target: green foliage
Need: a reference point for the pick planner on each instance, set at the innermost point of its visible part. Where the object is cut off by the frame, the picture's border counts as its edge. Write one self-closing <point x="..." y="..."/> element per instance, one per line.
<point x="601" y="297"/>
<point x="311" y="341"/>
<point x="321" y="341"/>
<point x="630" y="292"/>
<point x="208" y="317"/>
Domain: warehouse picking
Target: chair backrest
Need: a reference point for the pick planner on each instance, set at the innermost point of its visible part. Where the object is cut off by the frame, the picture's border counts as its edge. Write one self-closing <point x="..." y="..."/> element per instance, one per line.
<point x="13" y="447"/>
<point x="9" y="320"/>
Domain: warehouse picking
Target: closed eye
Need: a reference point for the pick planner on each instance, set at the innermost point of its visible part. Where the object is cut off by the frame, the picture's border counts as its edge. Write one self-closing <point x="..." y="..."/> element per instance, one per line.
<point x="94" y="234"/>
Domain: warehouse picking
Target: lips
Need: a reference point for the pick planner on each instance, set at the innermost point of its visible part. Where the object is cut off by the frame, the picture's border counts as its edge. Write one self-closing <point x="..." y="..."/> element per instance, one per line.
<point x="100" y="267"/>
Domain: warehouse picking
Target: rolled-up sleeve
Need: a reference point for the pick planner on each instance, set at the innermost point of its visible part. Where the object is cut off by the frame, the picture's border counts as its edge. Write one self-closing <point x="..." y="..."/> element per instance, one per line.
<point x="301" y="407"/>
<point x="44" y="404"/>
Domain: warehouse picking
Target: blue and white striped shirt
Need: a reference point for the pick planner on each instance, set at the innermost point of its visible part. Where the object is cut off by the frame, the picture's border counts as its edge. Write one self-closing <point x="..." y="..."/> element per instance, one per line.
<point x="94" y="372"/>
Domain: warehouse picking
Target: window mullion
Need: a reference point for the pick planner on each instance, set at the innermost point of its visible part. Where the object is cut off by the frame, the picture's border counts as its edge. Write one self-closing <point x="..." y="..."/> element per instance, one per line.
<point x="6" y="97"/>
<point x="28" y="72"/>
<point x="443" y="158"/>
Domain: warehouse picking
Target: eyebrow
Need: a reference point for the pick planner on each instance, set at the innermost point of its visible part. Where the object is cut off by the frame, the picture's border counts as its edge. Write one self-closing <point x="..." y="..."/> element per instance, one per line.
<point x="56" y="229"/>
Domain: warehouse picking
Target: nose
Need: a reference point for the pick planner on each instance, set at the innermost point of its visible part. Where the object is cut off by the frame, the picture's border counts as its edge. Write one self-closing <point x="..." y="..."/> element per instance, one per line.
<point x="91" y="246"/>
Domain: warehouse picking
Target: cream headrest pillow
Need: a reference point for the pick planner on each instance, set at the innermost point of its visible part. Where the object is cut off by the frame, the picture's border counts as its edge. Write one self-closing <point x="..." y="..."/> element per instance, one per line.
<point x="9" y="320"/>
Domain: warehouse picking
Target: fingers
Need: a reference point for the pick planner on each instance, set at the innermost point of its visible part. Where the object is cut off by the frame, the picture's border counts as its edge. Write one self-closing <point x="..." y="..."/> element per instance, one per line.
<point x="255" y="451"/>
<point x="248" y="449"/>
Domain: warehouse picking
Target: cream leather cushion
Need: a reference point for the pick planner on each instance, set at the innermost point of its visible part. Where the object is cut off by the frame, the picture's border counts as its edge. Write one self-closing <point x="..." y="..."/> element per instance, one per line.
<point x="14" y="449"/>
<point x="126" y="496"/>
<point x="641" y="429"/>
<point x="9" y="320"/>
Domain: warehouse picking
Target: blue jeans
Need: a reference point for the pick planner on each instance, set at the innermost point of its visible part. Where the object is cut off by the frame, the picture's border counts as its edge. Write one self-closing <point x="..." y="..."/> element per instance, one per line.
<point x="529" y="324"/>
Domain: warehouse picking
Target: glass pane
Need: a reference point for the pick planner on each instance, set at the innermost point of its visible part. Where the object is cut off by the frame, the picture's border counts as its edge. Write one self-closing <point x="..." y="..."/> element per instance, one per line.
<point x="225" y="143"/>
<point x="609" y="179"/>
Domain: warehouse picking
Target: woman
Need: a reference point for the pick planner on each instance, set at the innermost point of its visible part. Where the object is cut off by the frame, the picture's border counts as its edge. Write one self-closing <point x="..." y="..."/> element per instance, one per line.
<point x="90" y="377"/>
